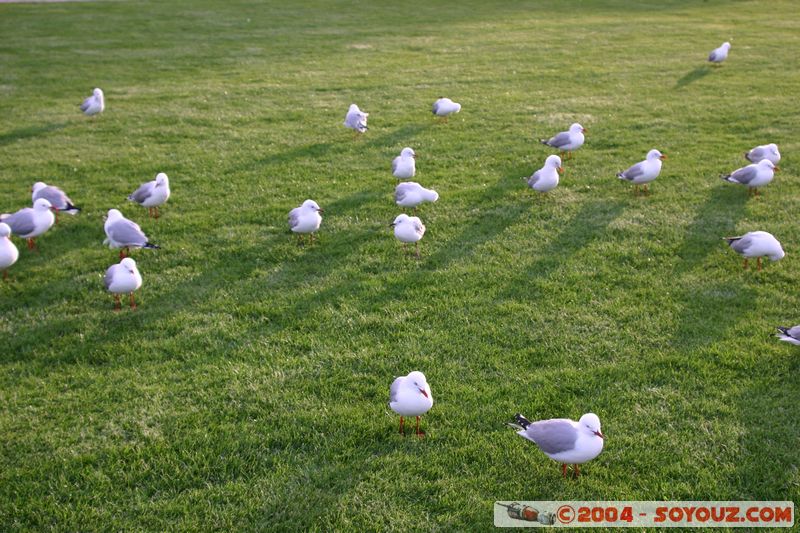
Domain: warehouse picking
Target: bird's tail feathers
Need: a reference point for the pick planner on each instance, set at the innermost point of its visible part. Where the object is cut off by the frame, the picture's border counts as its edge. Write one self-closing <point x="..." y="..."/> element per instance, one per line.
<point x="521" y="421"/>
<point x="747" y="156"/>
<point x="731" y="240"/>
<point x="621" y="175"/>
<point x="545" y="142"/>
<point x="783" y="330"/>
<point x="71" y="209"/>
<point x="152" y="246"/>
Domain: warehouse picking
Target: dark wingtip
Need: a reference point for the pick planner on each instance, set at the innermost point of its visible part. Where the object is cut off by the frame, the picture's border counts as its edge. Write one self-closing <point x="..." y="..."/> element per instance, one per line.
<point x="153" y="246"/>
<point x="747" y="156"/>
<point x="544" y="142"/>
<point x="783" y="330"/>
<point x="522" y="421"/>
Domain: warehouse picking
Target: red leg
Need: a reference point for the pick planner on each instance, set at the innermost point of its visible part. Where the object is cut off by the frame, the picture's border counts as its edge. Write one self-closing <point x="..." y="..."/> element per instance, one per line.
<point x="564" y="471"/>
<point x="745" y="263"/>
<point x="402" y="426"/>
<point x="758" y="262"/>
<point x="577" y="471"/>
<point x="5" y="275"/>
<point x="31" y="245"/>
<point x="416" y="245"/>
<point x="55" y="212"/>
<point x="419" y="433"/>
<point x="157" y="214"/>
<point x="117" y="304"/>
<point x="133" y="302"/>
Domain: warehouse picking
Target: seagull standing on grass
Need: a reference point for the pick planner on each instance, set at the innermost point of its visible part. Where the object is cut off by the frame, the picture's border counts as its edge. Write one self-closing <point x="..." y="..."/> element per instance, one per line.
<point x="31" y="222"/>
<point x="410" y="396"/>
<point x="408" y="229"/>
<point x="8" y="251"/>
<point x="404" y="166"/>
<point x="356" y="119"/>
<point x="305" y="219"/>
<point x="753" y="176"/>
<point x="411" y="194"/>
<point x="567" y="141"/>
<point x="94" y="104"/>
<point x="124" y="233"/>
<point x="546" y="178"/>
<point x="645" y="171"/>
<point x="123" y="278"/>
<point x="152" y="194"/>
<point x="791" y="335"/>
<point x="57" y="198"/>
<point x="718" y="55"/>
<point x="765" y="151"/>
<point x="564" y="440"/>
<point x="756" y="244"/>
<point x="444" y="107"/>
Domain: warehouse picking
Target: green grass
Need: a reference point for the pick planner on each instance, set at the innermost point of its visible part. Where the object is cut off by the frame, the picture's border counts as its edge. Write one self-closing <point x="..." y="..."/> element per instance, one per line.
<point x="249" y="389"/>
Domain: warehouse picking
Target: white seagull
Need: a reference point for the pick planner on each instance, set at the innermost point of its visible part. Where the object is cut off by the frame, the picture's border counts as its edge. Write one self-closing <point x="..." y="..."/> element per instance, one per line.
<point x="94" y="104"/>
<point x="567" y="141"/>
<point x="123" y="278"/>
<point x="765" y="151"/>
<point x="791" y="335"/>
<point x="411" y="194"/>
<point x="444" y="107"/>
<point x="31" y="222"/>
<point x="124" y="233"/>
<point x="305" y="219"/>
<point x="404" y="166"/>
<point x="753" y="176"/>
<point x="408" y="229"/>
<point x="546" y="178"/>
<point x="8" y="252"/>
<point x="756" y="244"/>
<point x="356" y="119"/>
<point x="564" y="440"/>
<point x="152" y="194"/>
<point x="718" y="55"/>
<point x="645" y="171"/>
<point x="410" y="396"/>
<point x="57" y="198"/>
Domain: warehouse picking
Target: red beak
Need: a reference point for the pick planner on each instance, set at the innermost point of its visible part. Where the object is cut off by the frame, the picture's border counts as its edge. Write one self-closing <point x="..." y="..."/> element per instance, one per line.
<point x="423" y="392"/>
<point x="599" y="434"/>
<point x="560" y="170"/>
<point x="663" y="157"/>
<point x="584" y="130"/>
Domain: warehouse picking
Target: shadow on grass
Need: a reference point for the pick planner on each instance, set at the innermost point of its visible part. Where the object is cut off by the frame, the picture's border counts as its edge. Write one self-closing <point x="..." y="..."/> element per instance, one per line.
<point x="693" y="76"/>
<point x="30" y="131"/>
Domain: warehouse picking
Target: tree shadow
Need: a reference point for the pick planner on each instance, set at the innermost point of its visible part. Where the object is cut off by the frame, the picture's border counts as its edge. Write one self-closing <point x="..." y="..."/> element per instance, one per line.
<point x="29" y="131"/>
<point x="692" y="76"/>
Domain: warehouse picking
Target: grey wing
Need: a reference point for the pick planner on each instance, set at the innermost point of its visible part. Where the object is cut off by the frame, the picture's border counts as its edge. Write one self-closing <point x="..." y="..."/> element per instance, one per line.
<point x="351" y="120"/>
<point x="756" y="154"/>
<point x="401" y="190"/>
<point x="562" y="139"/>
<point x="54" y="195"/>
<point x="394" y="389"/>
<point x="712" y="56"/>
<point x="21" y="222"/>
<point x="294" y="218"/>
<point x="534" y="178"/>
<point x="143" y="192"/>
<point x="741" y="244"/>
<point x="745" y="175"/>
<point x="553" y="436"/>
<point x="86" y="103"/>
<point x="419" y="227"/>
<point x="794" y="332"/>
<point x="435" y="108"/>
<point x="127" y="232"/>
<point x="634" y="172"/>
<point x="394" y="164"/>
<point x="109" y="275"/>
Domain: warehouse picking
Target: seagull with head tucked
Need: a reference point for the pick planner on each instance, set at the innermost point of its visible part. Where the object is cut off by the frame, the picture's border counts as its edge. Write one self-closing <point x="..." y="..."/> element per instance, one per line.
<point x="444" y="107"/>
<point x="756" y="244"/>
<point x="410" y="396"/>
<point x="408" y="229"/>
<point x="94" y="104"/>
<point x="305" y="219"/>
<point x="567" y="141"/>
<point x="411" y="194"/>
<point x="546" y="178"/>
<point x="31" y="222"/>
<point x="718" y="55"/>
<point x="564" y="440"/>
<point x="356" y="119"/>
<point x="57" y="198"/>
<point x="765" y="151"/>
<point x="645" y="171"/>
<point x="404" y="166"/>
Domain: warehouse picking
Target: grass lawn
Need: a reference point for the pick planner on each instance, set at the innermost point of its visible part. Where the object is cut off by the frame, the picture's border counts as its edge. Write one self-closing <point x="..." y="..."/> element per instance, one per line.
<point x="249" y="390"/>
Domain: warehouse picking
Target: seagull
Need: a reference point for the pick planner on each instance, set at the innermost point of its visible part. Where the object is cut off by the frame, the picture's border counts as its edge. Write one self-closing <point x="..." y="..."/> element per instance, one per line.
<point x="57" y="198"/>
<point x="444" y="107"/>
<point x="94" y="104"/>
<point x="8" y="252"/>
<point x="411" y="194"/>
<point x="718" y="55"/>
<point x="410" y="396"/>
<point x="765" y="151"/>
<point x="124" y="233"/>
<point x="152" y="194"/>
<point x="546" y="178"/>
<point x="29" y="223"/>
<point x="404" y="166"/>
<point x="644" y="172"/>
<point x="791" y="335"/>
<point x="567" y="141"/>
<point x="123" y="278"/>
<point x="305" y="219"/>
<point x="408" y="229"/>
<point x="564" y="440"/>
<point x="356" y="119"/>
<point x="756" y="244"/>
<point x="754" y="176"/>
